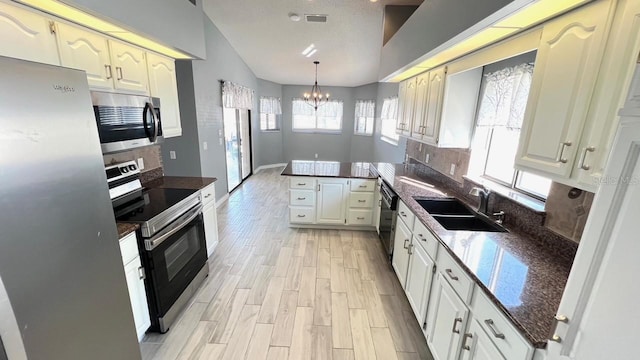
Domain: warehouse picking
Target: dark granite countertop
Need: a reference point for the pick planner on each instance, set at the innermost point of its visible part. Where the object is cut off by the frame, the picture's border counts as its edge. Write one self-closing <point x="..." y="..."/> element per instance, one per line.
<point x="329" y="169"/>
<point x="524" y="279"/>
<point x="180" y="182"/>
<point x="125" y="229"/>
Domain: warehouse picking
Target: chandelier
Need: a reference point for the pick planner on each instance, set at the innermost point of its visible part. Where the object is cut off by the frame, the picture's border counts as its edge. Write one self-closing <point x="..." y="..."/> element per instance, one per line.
<point x="316" y="98"/>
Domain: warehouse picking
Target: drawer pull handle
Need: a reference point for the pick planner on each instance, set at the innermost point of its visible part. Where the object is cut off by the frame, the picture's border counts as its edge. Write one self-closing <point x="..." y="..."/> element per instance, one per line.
<point x="302" y="184"/>
<point x="304" y="198"/>
<point x="450" y="274"/>
<point x="361" y="201"/>
<point x="495" y="332"/>
<point x="560" y="159"/>
<point x="405" y="243"/>
<point x="403" y="214"/>
<point x="141" y="273"/>
<point x="422" y="237"/>
<point x="301" y="216"/>
<point x="409" y="249"/>
<point x="464" y="341"/>
<point x="107" y="68"/>
<point x="589" y="149"/>
<point x="207" y="196"/>
<point x="360" y="218"/>
<point x="455" y="325"/>
<point x="362" y="186"/>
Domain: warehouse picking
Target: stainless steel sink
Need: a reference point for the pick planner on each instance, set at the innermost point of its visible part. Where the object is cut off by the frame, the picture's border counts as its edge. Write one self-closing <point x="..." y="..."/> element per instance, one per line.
<point x="453" y="214"/>
<point x="444" y="206"/>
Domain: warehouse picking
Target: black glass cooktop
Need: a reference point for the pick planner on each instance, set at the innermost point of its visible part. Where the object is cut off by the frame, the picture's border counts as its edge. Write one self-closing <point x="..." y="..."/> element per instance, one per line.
<point x="152" y="203"/>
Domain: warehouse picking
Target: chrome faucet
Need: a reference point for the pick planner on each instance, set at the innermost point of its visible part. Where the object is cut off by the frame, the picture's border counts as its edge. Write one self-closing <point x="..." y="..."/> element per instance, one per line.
<point x="483" y="193"/>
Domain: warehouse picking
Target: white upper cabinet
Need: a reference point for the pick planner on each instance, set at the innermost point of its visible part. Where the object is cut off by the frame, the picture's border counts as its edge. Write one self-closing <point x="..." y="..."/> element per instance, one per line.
<point x="27" y="36"/>
<point x="420" y="106"/>
<point x="84" y="50"/>
<point x="564" y="77"/>
<point x="406" y="106"/>
<point x="162" y="83"/>
<point x="431" y="119"/>
<point x="129" y="68"/>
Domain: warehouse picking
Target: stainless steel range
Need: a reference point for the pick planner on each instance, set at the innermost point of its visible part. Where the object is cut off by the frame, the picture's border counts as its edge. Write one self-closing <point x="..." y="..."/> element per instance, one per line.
<point x="171" y="240"/>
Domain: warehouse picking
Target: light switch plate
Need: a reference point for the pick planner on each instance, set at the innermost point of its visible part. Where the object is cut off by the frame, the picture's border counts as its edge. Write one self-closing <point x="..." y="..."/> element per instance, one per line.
<point x="205" y="146"/>
<point x="172" y="155"/>
<point x="453" y="169"/>
<point x="426" y="159"/>
<point x="141" y="163"/>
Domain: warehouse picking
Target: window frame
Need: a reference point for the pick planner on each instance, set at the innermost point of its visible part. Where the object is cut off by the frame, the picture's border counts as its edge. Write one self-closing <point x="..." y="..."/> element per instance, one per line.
<point x="367" y="119"/>
<point x="317" y="130"/>
<point x="276" y="122"/>
<point x="395" y="139"/>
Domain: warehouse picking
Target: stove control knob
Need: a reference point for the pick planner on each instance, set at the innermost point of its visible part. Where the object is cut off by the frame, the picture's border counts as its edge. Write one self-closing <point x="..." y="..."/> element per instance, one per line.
<point x="124" y="169"/>
<point x="132" y="167"/>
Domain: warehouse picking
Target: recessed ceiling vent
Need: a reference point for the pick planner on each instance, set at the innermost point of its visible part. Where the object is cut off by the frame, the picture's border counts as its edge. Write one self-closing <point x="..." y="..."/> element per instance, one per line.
<point x="315" y="18"/>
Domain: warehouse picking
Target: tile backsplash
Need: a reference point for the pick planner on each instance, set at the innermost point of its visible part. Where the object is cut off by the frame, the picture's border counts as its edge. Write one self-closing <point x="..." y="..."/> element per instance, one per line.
<point x="151" y="156"/>
<point x="441" y="159"/>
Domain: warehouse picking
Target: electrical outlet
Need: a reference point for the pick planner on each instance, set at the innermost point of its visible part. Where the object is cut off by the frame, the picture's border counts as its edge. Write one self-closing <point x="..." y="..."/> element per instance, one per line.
<point x="452" y="171"/>
<point x="220" y="141"/>
<point x="426" y="159"/>
<point x="316" y="156"/>
<point x="205" y="146"/>
<point x="172" y="155"/>
<point x="141" y="163"/>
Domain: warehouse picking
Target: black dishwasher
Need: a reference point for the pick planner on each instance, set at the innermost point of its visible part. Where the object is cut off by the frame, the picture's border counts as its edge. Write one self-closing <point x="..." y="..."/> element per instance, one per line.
<point x="388" y="210"/>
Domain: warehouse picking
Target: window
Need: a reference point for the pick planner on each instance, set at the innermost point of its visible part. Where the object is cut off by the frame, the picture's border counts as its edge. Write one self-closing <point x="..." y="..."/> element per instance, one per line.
<point x="364" y="116"/>
<point x="270" y="111"/>
<point x="328" y="117"/>
<point x="503" y="101"/>
<point x="389" y="115"/>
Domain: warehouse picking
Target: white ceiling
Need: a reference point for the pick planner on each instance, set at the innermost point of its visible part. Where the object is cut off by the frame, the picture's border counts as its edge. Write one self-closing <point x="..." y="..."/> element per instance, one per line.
<point x="348" y="44"/>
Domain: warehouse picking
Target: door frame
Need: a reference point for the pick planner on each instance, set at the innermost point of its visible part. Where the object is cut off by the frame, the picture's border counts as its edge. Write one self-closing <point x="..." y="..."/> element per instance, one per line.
<point x="250" y="134"/>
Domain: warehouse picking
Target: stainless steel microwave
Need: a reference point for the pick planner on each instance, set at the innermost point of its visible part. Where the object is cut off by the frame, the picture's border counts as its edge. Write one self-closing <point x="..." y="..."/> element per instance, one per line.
<point x="126" y="121"/>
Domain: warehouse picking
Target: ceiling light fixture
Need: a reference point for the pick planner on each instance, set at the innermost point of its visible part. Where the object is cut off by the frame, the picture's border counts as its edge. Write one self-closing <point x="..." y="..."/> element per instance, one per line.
<point x="316" y="98"/>
<point x="306" y="51"/>
<point x="312" y="52"/>
<point x="294" y="17"/>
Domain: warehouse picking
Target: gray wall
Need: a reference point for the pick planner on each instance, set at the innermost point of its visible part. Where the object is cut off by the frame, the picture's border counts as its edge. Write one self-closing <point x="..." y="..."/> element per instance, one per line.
<point x="362" y="146"/>
<point x="176" y="23"/>
<point x="382" y="150"/>
<point x="222" y="63"/>
<point x="304" y="146"/>
<point x="394" y="17"/>
<point x="269" y="149"/>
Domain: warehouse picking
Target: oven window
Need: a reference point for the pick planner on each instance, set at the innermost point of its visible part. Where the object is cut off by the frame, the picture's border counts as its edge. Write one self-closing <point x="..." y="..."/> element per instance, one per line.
<point x="178" y="255"/>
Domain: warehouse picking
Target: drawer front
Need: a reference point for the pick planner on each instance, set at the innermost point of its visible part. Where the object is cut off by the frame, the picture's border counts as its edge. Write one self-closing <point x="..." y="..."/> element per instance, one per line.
<point x="363" y="185"/>
<point x="308" y="183"/>
<point x="361" y="200"/>
<point x="426" y="239"/>
<point x="501" y="331"/>
<point x="405" y="214"/>
<point x="359" y="217"/>
<point x="458" y="278"/>
<point x="302" y="197"/>
<point x="301" y="215"/>
<point x="208" y="194"/>
<point x="129" y="248"/>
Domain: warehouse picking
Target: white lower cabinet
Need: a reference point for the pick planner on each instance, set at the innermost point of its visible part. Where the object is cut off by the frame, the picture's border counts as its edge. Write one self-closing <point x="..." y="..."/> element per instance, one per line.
<point x="446" y="322"/>
<point x="135" y="275"/>
<point x="210" y="217"/>
<point x="332" y="195"/>
<point x="419" y="277"/>
<point x="400" y="259"/>
<point x="477" y="345"/>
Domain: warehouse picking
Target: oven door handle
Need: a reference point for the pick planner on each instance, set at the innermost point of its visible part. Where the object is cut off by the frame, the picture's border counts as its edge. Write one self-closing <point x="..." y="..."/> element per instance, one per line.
<point x="385" y="201"/>
<point x="181" y="222"/>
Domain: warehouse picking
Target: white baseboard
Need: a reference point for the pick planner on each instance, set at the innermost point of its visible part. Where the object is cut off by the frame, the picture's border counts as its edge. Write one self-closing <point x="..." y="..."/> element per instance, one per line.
<point x="270" y="166"/>
<point x="222" y="200"/>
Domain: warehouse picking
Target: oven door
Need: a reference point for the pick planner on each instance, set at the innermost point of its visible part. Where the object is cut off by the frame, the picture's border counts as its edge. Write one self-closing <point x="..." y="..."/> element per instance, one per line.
<point x="173" y="258"/>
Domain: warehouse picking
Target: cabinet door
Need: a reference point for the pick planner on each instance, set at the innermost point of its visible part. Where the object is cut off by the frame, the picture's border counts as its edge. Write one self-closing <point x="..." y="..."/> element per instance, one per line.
<point x="446" y="321"/>
<point x="400" y="259"/>
<point x="332" y="198"/>
<point x="419" y="116"/>
<point x="86" y="51"/>
<point x="564" y="76"/>
<point x="406" y="105"/>
<point x="377" y="206"/>
<point x="431" y="122"/>
<point x="402" y="92"/>
<point x="27" y="36"/>
<point x="419" y="279"/>
<point x="134" y="273"/>
<point x="162" y="84"/>
<point x="210" y="227"/>
<point x="129" y="68"/>
<point x="478" y="346"/>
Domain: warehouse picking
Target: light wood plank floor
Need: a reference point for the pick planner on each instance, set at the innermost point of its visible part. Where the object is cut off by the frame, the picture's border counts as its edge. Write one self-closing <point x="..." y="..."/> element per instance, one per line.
<point x="279" y="293"/>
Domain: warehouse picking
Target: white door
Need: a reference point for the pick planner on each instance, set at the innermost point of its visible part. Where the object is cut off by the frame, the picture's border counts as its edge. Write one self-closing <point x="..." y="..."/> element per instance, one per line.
<point x="446" y="321"/>
<point x="27" y="36"/>
<point x="210" y="226"/>
<point x="400" y="259"/>
<point x="419" y="279"/>
<point x="84" y="50"/>
<point x="431" y="128"/>
<point x="477" y="345"/>
<point x="134" y="273"/>
<point x="564" y="76"/>
<point x="601" y="297"/>
<point x="332" y="197"/>
<point x="163" y="84"/>
<point x="129" y="68"/>
<point x="419" y="114"/>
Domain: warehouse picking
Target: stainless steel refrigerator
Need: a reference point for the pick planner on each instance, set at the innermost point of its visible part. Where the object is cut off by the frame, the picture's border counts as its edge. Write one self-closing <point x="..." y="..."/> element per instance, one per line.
<point x="63" y="293"/>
